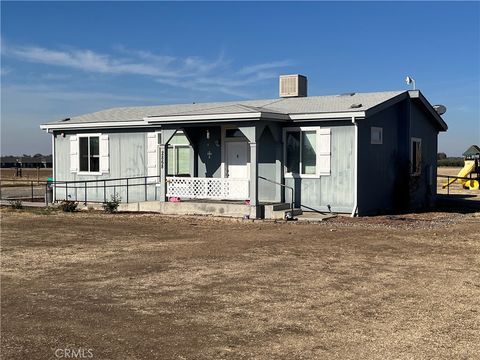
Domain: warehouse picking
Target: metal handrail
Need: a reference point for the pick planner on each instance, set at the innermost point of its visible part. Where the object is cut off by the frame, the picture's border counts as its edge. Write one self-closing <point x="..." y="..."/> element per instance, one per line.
<point x="114" y="179"/>
<point x="285" y="186"/>
<point x="100" y="183"/>
<point x="456" y="177"/>
<point x="448" y="177"/>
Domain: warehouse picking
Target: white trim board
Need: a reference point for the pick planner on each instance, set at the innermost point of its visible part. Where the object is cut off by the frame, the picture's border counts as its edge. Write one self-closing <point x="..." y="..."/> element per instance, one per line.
<point x="328" y="116"/>
<point x="108" y="124"/>
<point x="216" y="117"/>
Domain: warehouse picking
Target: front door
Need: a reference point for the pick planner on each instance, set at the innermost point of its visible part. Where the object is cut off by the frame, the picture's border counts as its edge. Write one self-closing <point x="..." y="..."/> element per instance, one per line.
<point x="237" y="159"/>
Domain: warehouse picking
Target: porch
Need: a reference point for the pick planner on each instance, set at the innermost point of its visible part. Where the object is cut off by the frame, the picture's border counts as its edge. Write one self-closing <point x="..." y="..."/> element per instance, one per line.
<point x="223" y="162"/>
<point x="226" y="197"/>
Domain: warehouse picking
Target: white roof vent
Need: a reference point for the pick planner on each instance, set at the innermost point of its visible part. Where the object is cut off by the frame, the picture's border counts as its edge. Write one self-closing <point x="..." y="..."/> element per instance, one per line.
<point x="293" y="85"/>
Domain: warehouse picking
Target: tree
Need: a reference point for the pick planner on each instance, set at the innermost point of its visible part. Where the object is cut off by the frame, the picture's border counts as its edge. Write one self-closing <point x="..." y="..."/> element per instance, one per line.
<point x="441" y="156"/>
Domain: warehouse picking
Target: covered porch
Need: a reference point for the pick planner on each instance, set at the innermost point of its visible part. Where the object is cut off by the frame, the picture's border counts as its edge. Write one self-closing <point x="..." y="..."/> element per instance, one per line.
<point x="237" y="161"/>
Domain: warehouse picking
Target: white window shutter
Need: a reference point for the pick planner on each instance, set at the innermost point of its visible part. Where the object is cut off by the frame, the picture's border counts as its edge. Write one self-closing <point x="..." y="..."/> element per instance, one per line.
<point x="73" y="154"/>
<point x="152" y="154"/>
<point x="324" y="151"/>
<point x="104" y="154"/>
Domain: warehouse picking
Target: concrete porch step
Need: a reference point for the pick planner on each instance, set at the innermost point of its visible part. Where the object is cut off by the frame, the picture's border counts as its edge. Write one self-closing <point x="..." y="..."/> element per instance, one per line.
<point x="279" y="206"/>
<point x="314" y="217"/>
<point x="278" y="211"/>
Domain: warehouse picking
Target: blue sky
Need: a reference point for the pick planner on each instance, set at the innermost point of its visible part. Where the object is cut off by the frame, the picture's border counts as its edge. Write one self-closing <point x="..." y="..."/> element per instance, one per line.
<point x="61" y="59"/>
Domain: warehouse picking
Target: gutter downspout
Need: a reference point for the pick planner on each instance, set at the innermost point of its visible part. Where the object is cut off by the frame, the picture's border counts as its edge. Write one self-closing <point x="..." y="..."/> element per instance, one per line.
<point x="54" y="177"/>
<point x="355" y="172"/>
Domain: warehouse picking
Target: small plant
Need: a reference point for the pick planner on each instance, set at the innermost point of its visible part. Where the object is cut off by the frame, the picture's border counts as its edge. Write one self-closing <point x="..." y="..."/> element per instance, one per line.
<point x="111" y="206"/>
<point x="68" y="206"/>
<point x="16" y="204"/>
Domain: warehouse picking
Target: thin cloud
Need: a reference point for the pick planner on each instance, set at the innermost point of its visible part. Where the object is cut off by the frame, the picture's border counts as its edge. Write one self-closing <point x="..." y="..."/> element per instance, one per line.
<point x="193" y="72"/>
<point x="58" y="93"/>
<point x="253" y="69"/>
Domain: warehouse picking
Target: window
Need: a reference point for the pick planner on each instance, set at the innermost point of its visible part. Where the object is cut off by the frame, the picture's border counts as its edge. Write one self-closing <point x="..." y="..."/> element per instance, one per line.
<point x="308" y="150"/>
<point x="179" y="154"/>
<point x="89" y="153"/>
<point x="301" y="151"/>
<point x="293" y="152"/>
<point x="416" y="156"/>
<point x="376" y="135"/>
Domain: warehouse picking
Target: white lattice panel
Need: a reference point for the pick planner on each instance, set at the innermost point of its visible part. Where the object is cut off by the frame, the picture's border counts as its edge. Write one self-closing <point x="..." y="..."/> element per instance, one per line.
<point x="207" y="188"/>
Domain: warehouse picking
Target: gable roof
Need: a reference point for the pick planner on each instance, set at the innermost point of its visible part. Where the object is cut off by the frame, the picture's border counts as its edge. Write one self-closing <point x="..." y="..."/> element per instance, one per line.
<point x="473" y="150"/>
<point x="282" y="109"/>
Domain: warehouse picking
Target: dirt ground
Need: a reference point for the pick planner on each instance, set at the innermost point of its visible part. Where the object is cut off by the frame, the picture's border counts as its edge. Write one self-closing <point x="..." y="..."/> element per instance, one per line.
<point x="142" y="286"/>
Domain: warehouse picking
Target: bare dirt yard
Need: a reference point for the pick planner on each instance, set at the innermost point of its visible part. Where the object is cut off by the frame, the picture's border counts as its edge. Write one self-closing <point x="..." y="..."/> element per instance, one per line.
<point x="140" y="286"/>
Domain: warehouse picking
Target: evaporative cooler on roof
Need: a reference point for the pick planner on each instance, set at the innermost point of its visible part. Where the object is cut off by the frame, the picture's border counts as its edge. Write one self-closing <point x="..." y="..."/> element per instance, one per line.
<point x="293" y="86"/>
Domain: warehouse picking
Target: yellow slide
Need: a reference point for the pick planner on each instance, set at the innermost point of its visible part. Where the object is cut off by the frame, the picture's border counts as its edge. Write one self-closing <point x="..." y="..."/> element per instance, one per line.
<point x="466" y="170"/>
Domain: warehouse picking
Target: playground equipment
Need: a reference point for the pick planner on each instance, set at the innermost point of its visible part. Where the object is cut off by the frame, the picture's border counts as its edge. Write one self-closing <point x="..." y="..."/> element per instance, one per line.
<point x="471" y="167"/>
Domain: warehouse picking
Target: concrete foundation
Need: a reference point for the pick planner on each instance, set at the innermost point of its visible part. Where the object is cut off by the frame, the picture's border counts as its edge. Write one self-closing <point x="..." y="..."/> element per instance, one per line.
<point x="192" y="208"/>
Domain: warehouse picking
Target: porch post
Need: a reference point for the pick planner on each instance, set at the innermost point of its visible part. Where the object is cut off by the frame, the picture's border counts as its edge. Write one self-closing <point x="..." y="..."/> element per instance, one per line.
<point x="279" y="193"/>
<point x="253" y="174"/>
<point x="277" y="133"/>
<point x="163" y="172"/>
<point x="166" y="135"/>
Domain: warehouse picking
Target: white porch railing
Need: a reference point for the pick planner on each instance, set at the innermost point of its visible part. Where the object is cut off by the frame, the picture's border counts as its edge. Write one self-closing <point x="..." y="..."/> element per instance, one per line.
<point x="208" y="188"/>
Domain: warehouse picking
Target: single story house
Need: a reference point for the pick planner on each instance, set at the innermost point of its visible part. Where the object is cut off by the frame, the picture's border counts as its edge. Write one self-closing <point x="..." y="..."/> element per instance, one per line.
<point x="355" y="153"/>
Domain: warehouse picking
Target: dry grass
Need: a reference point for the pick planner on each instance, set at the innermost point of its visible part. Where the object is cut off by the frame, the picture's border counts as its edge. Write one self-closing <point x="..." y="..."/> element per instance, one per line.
<point x="148" y="286"/>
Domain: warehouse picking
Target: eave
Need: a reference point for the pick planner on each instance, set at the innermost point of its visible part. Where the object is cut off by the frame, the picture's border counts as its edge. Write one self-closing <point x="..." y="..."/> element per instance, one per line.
<point x="209" y="118"/>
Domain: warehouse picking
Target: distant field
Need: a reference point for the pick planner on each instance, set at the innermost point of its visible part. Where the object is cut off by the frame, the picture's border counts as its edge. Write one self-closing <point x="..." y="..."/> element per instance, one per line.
<point x="27" y="174"/>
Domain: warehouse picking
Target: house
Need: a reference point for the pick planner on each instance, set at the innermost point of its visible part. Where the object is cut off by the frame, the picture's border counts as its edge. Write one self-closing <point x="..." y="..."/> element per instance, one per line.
<point x="355" y="153"/>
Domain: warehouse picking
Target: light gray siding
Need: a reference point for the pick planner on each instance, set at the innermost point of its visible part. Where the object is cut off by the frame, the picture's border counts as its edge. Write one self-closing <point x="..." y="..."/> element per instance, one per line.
<point x="127" y="158"/>
<point x="337" y="189"/>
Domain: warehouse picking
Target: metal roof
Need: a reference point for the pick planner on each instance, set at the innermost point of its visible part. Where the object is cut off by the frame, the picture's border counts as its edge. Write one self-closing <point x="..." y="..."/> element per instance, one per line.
<point x="299" y="105"/>
<point x="473" y="150"/>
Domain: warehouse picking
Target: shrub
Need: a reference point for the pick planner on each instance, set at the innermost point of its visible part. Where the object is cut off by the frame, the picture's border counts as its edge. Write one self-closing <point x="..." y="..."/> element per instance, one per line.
<point x="452" y="161"/>
<point x="68" y="206"/>
<point x="111" y="206"/>
<point x="16" y="204"/>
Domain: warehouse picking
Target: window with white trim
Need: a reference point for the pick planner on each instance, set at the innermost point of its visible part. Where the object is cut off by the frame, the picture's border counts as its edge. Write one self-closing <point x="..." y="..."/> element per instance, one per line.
<point x="179" y="155"/>
<point x="89" y="153"/>
<point x="416" y="156"/>
<point x="307" y="151"/>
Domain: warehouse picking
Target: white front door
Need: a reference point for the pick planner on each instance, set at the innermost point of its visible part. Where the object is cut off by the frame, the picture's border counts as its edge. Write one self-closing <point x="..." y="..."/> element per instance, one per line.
<point x="237" y="155"/>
